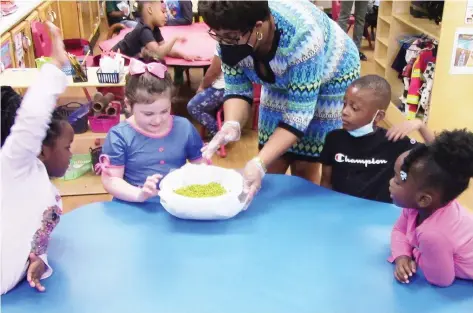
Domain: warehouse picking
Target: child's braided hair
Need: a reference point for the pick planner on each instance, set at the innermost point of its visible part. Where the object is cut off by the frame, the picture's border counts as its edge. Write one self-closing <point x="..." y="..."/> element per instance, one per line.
<point x="11" y="102"/>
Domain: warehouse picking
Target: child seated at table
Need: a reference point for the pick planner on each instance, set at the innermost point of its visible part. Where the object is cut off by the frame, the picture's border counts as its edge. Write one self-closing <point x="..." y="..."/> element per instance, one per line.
<point x="178" y="12"/>
<point x="146" y="34"/>
<point x="434" y="232"/>
<point x="138" y="152"/>
<point x="209" y="97"/>
<point x="119" y="11"/>
<point x="36" y="144"/>
<point x="359" y="159"/>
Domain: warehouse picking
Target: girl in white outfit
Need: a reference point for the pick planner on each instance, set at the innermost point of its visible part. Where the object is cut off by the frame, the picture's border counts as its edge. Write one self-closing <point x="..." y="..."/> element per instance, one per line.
<point x="36" y="148"/>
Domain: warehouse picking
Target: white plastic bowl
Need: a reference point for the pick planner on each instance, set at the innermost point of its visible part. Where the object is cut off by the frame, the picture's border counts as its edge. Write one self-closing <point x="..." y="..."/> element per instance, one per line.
<point x="211" y="208"/>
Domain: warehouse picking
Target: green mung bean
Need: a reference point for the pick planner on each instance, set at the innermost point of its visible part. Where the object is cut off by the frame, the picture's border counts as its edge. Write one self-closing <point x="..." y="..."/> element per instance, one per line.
<point x="201" y="191"/>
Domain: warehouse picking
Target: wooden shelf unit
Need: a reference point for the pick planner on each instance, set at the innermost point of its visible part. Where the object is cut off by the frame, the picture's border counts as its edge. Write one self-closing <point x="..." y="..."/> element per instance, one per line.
<point x="451" y="104"/>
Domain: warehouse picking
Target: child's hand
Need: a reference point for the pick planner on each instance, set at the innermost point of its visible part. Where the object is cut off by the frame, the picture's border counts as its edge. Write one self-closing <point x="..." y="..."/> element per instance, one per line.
<point x="405" y="268"/>
<point x="36" y="269"/>
<point x="58" y="54"/>
<point x="150" y="188"/>
<point x="181" y="39"/>
<point x="402" y="130"/>
<point x="200" y="89"/>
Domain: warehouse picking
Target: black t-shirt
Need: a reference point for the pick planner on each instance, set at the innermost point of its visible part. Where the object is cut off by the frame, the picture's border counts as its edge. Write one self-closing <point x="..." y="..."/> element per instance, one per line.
<point x="139" y="37"/>
<point x="363" y="166"/>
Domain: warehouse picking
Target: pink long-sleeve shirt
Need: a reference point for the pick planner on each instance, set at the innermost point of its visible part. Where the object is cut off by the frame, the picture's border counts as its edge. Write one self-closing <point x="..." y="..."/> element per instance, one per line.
<point x="442" y="245"/>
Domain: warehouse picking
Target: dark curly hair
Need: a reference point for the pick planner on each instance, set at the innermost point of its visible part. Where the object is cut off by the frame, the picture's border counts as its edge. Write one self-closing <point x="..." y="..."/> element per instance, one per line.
<point x="11" y="102"/>
<point x="446" y="164"/>
<point x="379" y="87"/>
<point x="233" y="15"/>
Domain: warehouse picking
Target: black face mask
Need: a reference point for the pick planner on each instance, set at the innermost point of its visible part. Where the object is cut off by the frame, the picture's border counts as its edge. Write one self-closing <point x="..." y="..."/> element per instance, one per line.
<point x="233" y="54"/>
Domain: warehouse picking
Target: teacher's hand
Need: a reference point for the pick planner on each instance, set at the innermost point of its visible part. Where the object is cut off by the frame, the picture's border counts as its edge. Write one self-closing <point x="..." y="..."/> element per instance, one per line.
<point x="229" y="132"/>
<point x="253" y="174"/>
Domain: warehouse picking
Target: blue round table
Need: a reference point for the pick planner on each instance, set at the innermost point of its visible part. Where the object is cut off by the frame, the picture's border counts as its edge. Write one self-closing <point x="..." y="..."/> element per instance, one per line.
<point x="298" y="248"/>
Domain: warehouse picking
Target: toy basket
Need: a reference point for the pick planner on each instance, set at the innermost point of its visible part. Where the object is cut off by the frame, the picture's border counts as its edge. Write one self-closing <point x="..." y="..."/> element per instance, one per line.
<point x="103" y="122"/>
<point x="79" y="165"/>
<point x="108" y="78"/>
<point x="67" y="69"/>
<point x="76" y="114"/>
<point x="210" y="208"/>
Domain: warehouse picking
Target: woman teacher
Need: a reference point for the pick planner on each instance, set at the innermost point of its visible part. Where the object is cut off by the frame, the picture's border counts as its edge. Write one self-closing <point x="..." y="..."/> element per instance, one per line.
<point x="303" y="60"/>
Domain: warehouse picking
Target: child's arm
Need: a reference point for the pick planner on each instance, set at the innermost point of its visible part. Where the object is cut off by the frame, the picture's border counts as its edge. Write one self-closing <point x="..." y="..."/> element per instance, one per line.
<point x="24" y="143"/>
<point x="113" y="169"/>
<point x="212" y="73"/>
<point x="163" y="48"/>
<point x="399" y="244"/>
<point x="436" y="258"/>
<point x="114" y="184"/>
<point x="326" y="180"/>
<point x="400" y="131"/>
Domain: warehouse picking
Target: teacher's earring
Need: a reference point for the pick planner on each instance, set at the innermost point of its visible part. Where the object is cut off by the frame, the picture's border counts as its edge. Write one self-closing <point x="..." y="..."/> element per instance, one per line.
<point x="259" y="36"/>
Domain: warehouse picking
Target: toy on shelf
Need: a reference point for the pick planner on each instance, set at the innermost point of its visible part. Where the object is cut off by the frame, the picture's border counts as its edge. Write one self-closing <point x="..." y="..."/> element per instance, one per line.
<point x="101" y="104"/>
<point x="111" y="68"/>
<point x="76" y="114"/>
<point x="104" y="113"/>
<point x="80" y="70"/>
<point x="79" y="165"/>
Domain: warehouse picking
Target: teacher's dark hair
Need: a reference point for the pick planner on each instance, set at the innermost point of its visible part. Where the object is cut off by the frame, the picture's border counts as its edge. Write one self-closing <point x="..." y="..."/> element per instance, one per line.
<point x="233" y="15"/>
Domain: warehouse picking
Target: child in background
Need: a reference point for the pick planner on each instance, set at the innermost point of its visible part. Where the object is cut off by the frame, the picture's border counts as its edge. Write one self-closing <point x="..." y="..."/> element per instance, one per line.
<point x="35" y="148"/>
<point x="178" y="12"/>
<point x="146" y="34"/>
<point x="118" y="11"/>
<point x="151" y="143"/>
<point x="434" y="232"/>
<point x="209" y="98"/>
<point x="359" y="159"/>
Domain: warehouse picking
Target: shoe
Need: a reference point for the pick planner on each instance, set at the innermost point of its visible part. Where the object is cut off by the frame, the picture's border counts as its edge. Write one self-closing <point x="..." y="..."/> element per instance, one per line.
<point x="363" y="57"/>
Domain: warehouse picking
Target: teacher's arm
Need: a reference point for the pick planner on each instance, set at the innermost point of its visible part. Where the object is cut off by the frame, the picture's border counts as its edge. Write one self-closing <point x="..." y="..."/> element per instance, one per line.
<point x="238" y="95"/>
<point x="236" y="105"/>
<point x="212" y="73"/>
<point x="305" y="78"/>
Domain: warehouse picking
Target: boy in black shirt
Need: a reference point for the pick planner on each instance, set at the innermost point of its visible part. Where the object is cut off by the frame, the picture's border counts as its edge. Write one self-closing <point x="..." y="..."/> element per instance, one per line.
<point x="359" y="159"/>
<point x="146" y="34"/>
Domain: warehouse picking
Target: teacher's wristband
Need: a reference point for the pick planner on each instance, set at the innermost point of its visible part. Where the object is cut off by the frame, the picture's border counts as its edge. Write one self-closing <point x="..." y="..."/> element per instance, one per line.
<point x="260" y="163"/>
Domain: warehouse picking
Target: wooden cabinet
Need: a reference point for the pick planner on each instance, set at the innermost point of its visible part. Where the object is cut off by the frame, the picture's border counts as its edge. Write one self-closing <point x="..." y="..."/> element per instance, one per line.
<point x="70" y="19"/>
<point x="80" y="19"/>
<point x="6" y="52"/>
<point x="23" y="51"/>
<point x="49" y="11"/>
<point x="86" y="19"/>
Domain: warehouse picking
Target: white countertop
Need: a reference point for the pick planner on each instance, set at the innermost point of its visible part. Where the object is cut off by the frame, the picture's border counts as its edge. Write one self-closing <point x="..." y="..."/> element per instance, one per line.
<point x="24" y="9"/>
<point x="25" y="77"/>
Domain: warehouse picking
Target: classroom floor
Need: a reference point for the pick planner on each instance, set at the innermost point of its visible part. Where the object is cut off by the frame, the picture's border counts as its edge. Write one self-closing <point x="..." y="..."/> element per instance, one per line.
<point x="238" y="153"/>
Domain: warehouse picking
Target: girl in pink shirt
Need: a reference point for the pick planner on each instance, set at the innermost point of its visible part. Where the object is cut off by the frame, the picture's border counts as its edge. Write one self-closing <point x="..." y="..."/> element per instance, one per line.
<point x="436" y="233"/>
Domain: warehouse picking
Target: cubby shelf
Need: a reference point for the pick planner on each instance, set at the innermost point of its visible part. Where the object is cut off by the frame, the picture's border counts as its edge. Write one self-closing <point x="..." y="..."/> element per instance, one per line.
<point x="395" y="21"/>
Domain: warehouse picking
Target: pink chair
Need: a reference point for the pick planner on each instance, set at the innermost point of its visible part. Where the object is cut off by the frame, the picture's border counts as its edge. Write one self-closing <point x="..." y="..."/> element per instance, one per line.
<point x="43" y="45"/>
<point x="256" y="102"/>
<point x="336" y="6"/>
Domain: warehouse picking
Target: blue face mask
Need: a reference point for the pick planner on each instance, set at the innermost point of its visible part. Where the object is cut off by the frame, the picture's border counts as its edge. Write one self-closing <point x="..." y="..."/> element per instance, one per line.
<point x="364" y="130"/>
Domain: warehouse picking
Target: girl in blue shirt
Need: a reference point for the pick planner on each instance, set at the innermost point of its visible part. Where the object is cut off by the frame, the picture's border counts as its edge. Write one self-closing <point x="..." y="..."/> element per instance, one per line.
<point x="138" y="152"/>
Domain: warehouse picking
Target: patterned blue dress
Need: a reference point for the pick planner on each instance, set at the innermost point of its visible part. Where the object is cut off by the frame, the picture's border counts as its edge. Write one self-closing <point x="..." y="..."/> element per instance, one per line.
<point x="313" y="61"/>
